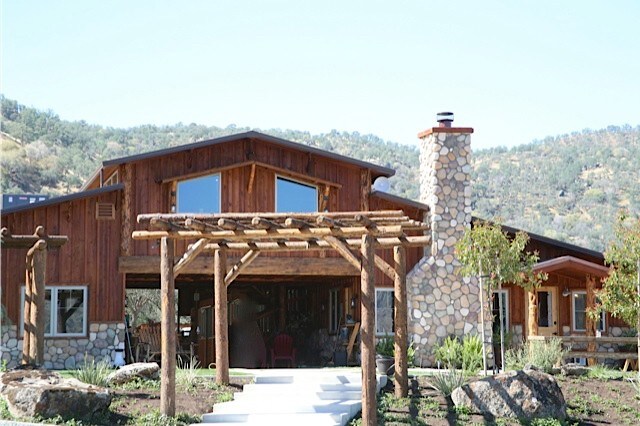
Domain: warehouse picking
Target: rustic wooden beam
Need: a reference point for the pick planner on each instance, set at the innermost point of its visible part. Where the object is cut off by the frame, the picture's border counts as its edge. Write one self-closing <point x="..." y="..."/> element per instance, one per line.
<point x="28" y="296"/>
<point x="367" y="333"/>
<point x="315" y="245"/>
<point x="401" y="375"/>
<point x="193" y="175"/>
<point x="168" y="329"/>
<point x="221" y="318"/>
<point x="198" y="225"/>
<point x="262" y="223"/>
<point x="252" y="177"/>
<point x="230" y="224"/>
<point x="328" y="222"/>
<point x="257" y="234"/>
<point x="365" y="188"/>
<point x="126" y="211"/>
<point x="145" y="218"/>
<point x="302" y="176"/>
<point x="189" y="256"/>
<point x="591" y="324"/>
<point x="386" y="269"/>
<point x="38" y="320"/>
<point x="237" y="269"/>
<point x="291" y="222"/>
<point x="27" y="241"/>
<point x="344" y="251"/>
<point x="281" y="266"/>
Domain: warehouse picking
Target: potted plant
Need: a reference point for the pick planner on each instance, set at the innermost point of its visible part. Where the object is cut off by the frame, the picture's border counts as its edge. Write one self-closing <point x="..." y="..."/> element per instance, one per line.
<point x="385" y="355"/>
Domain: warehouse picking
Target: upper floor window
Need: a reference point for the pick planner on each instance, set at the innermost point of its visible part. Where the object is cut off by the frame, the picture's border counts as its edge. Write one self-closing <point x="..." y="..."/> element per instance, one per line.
<point x="65" y="311"/>
<point x="293" y="196"/>
<point x="199" y="195"/>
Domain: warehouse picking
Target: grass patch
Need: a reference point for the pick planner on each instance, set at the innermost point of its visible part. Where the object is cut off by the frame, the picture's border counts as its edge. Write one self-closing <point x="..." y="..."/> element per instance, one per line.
<point x="602" y="372"/>
<point x="154" y="418"/>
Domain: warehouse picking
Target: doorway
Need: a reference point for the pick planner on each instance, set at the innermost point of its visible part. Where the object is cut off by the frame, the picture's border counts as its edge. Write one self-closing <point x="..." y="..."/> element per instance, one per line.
<point x="547" y="311"/>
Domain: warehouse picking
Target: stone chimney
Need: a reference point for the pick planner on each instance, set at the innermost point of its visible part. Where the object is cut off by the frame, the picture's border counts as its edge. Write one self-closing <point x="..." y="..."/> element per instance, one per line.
<point x="441" y="302"/>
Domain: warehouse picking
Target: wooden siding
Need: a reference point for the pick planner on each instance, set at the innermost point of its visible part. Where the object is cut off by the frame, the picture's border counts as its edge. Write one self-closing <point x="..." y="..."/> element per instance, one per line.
<point x="88" y="258"/>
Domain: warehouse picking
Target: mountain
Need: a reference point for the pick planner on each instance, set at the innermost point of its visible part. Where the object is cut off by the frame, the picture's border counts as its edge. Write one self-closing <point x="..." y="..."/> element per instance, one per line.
<point x="568" y="187"/>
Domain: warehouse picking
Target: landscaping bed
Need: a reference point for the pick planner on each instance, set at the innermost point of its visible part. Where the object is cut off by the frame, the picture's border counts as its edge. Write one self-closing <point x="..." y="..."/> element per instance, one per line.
<point x="602" y="397"/>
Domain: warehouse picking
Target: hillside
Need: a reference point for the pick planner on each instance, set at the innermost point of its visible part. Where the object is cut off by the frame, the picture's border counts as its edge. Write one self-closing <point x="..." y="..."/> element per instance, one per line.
<point x="568" y="187"/>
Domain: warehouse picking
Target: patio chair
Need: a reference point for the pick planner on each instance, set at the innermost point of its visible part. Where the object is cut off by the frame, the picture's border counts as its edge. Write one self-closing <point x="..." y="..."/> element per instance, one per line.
<point x="149" y="337"/>
<point x="283" y="350"/>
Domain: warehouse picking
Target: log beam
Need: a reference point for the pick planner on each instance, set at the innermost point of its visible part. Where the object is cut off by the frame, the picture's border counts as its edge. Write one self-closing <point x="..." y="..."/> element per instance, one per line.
<point x="38" y="320"/>
<point x="368" y="349"/>
<point x="189" y="256"/>
<point x="401" y="376"/>
<point x="591" y="324"/>
<point x="344" y="251"/>
<point x="380" y="214"/>
<point x="240" y="266"/>
<point x="221" y="318"/>
<point x="386" y="269"/>
<point x="168" y="329"/>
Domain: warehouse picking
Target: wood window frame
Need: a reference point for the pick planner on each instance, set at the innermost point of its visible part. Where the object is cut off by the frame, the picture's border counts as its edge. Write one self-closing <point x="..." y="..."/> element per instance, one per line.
<point x="53" y="312"/>
<point x="177" y="191"/>
<point x="299" y="182"/>
<point x="603" y="316"/>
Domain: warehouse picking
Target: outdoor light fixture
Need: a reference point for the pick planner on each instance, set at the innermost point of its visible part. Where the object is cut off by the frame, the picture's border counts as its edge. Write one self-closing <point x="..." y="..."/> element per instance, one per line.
<point x="353" y="302"/>
<point x="566" y="292"/>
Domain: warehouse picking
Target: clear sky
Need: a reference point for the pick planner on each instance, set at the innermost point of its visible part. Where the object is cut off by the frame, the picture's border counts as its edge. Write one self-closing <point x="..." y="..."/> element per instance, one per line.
<point x="513" y="70"/>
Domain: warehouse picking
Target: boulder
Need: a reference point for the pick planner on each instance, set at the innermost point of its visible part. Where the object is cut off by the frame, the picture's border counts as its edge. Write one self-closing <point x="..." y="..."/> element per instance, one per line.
<point x="127" y="373"/>
<point x="524" y="394"/>
<point x="574" y="370"/>
<point x="43" y="393"/>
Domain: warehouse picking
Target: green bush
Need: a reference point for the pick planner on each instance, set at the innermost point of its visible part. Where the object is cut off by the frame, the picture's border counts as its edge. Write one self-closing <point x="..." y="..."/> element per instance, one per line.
<point x="445" y="381"/>
<point x="466" y="354"/>
<point x="384" y="346"/>
<point x="93" y="373"/>
<point x="449" y="353"/>
<point x="543" y="354"/>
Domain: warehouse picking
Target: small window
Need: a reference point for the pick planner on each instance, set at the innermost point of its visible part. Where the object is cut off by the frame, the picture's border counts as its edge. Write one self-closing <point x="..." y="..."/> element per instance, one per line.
<point x="112" y="180"/>
<point x="199" y="195"/>
<point x="295" y="197"/>
<point x="384" y="311"/>
<point x="65" y="311"/>
<point x="334" y="310"/>
<point x="579" y="307"/>
<point x="500" y="301"/>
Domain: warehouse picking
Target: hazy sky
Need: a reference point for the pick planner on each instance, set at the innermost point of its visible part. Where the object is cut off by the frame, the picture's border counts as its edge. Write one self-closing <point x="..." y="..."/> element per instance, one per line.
<point x="513" y="70"/>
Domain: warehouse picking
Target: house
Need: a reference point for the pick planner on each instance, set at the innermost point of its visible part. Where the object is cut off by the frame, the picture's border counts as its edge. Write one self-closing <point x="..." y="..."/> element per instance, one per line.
<point x="300" y="292"/>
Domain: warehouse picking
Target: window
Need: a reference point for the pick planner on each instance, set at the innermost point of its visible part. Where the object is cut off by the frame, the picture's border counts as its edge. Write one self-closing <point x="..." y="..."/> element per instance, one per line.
<point x="112" y="180"/>
<point x="292" y="196"/>
<point x="579" y="307"/>
<point x="334" y="310"/>
<point x="199" y="195"/>
<point x="384" y="311"/>
<point x="500" y="300"/>
<point x="65" y="311"/>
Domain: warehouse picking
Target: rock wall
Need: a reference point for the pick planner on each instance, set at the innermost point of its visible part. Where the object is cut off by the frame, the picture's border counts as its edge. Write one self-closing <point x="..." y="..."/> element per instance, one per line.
<point x="67" y="353"/>
<point x="441" y="302"/>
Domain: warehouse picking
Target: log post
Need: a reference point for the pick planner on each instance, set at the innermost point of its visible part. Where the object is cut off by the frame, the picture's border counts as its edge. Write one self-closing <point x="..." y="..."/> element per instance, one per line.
<point x="38" y="320"/>
<point x="368" y="349"/>
<point x="28" y="327"/>
<point x="168" y="328"/>
<point x="532" y="322"/>
<point x="221" y="318"/>
<point x="400" y="320"/>
<point x="590" y="323"/>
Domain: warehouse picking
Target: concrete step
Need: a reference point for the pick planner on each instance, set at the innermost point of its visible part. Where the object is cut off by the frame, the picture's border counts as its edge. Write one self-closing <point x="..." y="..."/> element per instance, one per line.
<point x="309" y="378"/>
<point x="299" y="394"/>
<point x="270" y="388"/>
<point x="306" y="419"/>
<point x="285" y="406"/>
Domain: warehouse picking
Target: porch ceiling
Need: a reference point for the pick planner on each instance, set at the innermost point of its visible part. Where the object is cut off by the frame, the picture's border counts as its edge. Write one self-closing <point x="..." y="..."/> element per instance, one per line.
<point x="572" y="267"/>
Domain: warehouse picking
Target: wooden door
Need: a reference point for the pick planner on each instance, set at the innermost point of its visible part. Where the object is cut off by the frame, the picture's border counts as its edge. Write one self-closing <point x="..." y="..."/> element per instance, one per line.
<point x="547" y="311"/>
<point x="206" y="337"/>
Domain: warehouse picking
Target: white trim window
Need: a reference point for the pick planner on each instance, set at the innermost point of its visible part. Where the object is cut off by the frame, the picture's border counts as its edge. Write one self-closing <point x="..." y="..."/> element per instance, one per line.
<point x="384" y="311"/>
<point x="579" y="312"/>
<point x="199" y="195"/>
<point x="65" y="311"/>
<point x="295" y="196"/>
<point x="500" y="300"/>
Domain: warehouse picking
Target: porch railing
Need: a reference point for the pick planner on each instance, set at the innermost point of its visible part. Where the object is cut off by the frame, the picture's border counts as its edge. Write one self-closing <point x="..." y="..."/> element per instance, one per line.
<point x="568" y="340"/>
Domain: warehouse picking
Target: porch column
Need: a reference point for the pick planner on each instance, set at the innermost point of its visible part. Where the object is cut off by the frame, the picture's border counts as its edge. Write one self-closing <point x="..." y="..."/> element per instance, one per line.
<point x="532" y="323"/>
<point x="221" y="318"/>
<point x="368" y="350"/>
<point x="400" y="321"/>
<point x="591" y="324"/>
<point x="168" y="329"/>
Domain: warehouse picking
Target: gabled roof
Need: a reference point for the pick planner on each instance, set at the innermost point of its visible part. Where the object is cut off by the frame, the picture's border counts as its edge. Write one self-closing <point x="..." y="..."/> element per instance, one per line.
<point x="379" y="170"/>
<point x="571" y="265"/>
<point x="62" y="199"/>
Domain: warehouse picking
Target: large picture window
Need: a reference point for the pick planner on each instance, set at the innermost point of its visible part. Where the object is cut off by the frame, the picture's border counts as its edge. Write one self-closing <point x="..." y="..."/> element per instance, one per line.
<point x="295" y="197"/>
<point x="579" y="305"/>
<point x="384" y="311"/>
<point x="199" y="195"/>
<point x="65" y="311"/>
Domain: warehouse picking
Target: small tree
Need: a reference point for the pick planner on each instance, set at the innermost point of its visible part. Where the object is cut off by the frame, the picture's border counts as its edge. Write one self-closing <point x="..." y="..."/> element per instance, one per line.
<point x="620" y="294"/>
<point x="487" y="252"/>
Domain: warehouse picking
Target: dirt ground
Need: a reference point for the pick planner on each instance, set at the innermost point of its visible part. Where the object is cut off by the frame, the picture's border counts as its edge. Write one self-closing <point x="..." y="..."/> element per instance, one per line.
<point x="590" y="401"/>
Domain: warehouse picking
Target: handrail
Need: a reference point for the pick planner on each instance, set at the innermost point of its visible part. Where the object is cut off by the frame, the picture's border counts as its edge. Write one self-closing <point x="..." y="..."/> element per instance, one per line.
<point x="587" y="339"/>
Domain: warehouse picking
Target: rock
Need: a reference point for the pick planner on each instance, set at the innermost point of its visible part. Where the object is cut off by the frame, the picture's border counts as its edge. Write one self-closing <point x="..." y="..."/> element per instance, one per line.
<point x="43" y="393"/>
<point x="574" y="370"/>
<point x="127" y="373"/>
<point x="517" y="394"/>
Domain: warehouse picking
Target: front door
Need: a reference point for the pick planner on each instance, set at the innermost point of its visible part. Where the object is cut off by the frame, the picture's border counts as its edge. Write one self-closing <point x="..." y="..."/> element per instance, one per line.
<point x="547" y="311"/>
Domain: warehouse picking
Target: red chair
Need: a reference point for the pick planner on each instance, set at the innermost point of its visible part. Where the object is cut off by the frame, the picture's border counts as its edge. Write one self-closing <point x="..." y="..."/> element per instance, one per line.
<point x="283" y="349"/>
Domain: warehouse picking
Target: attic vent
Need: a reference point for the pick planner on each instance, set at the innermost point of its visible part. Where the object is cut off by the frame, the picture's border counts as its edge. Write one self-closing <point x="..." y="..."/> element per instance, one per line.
<point x="105" y="211"/>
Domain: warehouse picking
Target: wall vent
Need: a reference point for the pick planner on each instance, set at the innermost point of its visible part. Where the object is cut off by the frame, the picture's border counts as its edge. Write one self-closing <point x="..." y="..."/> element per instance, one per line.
<point x="105" y="211"/>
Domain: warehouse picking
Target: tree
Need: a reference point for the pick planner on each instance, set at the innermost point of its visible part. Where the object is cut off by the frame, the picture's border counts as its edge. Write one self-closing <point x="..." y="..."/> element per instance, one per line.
<point x="487" y="252"/>
<point x="620" y="294"/>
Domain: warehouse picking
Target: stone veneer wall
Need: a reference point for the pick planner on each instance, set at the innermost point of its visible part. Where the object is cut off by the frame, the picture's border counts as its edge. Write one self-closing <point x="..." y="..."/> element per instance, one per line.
<point x="67" y="353"/>
<point x="441" y="302"/>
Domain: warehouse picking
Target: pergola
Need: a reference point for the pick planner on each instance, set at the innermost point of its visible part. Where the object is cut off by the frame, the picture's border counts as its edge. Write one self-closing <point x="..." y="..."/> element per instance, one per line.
<point x="253" y="233"/>
<point x="34" y="292"/>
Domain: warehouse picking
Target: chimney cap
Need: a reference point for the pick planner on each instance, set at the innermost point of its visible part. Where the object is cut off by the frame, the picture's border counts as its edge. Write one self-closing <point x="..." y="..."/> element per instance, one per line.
<point x="445" y="118"/>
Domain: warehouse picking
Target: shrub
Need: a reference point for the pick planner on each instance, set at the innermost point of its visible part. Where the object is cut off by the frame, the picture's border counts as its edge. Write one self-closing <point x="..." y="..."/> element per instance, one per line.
<point x="93" y="373"/>
<point x="187" y="374"/>
<point x="449" y="353"/>
<point x="446" y="381"/>
<point x="384" y="346"/>
<point x="471" y="354"/>
<point x="543" y="354"/>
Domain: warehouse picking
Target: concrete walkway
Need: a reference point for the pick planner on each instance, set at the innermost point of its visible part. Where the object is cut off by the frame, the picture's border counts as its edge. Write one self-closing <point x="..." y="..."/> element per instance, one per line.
<point x="309" y="397"/>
